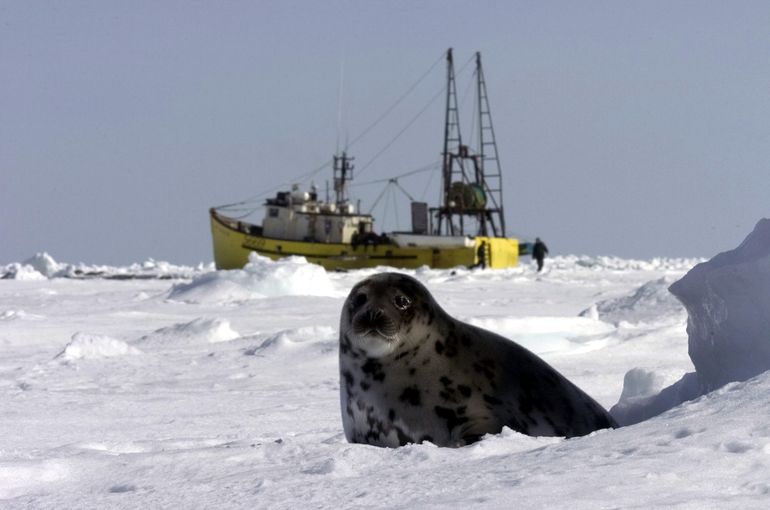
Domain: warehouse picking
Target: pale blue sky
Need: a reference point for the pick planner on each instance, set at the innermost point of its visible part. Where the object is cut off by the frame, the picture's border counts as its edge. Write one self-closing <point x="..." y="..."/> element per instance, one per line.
<point x="636" y="129"/>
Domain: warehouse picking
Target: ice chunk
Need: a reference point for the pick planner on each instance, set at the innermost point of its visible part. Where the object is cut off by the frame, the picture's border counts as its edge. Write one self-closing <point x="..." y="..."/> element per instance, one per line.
<point x="44" y="264"/>
<point x="728" y="304"/>
<point x="85" y="346"/>
<point x="638" y="404"/>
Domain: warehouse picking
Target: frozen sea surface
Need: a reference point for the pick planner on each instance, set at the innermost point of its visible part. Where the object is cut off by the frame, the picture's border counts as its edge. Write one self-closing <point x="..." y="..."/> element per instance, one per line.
<point x="190" y="388"/>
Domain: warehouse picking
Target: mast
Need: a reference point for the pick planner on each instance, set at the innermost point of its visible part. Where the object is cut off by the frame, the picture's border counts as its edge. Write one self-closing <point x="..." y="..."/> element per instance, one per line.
<point x="452" y="146"/>
<point x="491" y="175"/>
<point x="468" y="190"/>
<point x="343" y="172"/>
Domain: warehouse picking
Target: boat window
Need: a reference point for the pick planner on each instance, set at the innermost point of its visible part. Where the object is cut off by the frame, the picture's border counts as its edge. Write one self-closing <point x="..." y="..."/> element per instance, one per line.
<point x="272" y="212"/>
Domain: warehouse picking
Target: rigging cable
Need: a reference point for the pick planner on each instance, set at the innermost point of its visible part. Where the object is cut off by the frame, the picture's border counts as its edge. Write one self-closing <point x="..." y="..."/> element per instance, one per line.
<point x="398" y="101"/>
<point x="431" y="166"/>
<point x="249" y="200"/>
<point x="386" y="204"/>
<point x="430" y="180"/>
<point x="414" y="119"/>
<point x="396" y="184"/>
<point x="379" y="197"/>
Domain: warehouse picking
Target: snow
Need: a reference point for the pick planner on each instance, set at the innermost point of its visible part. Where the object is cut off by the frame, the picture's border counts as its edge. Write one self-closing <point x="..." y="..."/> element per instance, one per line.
<point x="234" y="399"/>
<point x="85" y="346"/>
<point x="260" y="278"/>
<point x="200" y="330"/>
<point x="42" y="266"/>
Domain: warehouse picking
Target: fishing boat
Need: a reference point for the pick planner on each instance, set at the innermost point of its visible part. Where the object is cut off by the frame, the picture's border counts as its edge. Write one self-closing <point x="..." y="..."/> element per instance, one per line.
<point x="466" y="229"/>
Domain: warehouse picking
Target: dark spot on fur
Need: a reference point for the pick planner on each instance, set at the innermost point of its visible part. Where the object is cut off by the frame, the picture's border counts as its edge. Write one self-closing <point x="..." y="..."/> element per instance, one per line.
<point x="410" y="395"/>
<point x="446" y="381"/>
<point x="365" y="385"/>
<point x="450" y="345"/>
<point x="481" y="369"/>
<point x="439" y="347"/>
<point x="402" y="437"/>
<point x="452" y="420"/>
<point x="373" y="368"/>
<point x="391" y="415"/>
<point x="402" y="354"/>
<point x="464" y="390"/>
<point x="412" y="371"/>
<point x="349" y="379"/>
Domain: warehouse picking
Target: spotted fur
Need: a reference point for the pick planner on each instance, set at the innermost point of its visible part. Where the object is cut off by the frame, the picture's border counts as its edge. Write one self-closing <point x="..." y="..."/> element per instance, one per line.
<point x="411" y="373"/>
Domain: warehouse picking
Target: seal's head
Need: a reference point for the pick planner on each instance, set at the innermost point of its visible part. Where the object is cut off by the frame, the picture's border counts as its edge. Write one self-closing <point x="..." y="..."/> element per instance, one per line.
<point x="379" y="312"/>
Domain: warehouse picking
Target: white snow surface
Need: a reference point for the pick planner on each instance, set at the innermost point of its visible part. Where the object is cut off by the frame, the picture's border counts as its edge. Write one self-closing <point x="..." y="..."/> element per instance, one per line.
<point x="234" y="401"/>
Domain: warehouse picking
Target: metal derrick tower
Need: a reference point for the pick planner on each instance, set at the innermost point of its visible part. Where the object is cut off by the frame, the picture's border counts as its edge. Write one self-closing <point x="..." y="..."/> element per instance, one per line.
<point x="472" y="181"/>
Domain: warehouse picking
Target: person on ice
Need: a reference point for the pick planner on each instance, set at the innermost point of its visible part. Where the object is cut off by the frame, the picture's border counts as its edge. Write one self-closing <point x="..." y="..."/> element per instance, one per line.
<point x="481" y="257"/>
<point x="539" y="251"/>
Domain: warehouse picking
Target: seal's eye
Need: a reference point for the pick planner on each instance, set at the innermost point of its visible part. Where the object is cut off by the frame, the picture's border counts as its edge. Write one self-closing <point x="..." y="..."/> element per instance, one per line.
<point x="359" y="300"/>
<point x="401" y="302"/>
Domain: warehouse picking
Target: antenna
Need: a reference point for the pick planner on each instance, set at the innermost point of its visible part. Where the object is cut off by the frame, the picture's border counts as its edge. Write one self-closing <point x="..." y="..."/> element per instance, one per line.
<point x="339" y="106"/>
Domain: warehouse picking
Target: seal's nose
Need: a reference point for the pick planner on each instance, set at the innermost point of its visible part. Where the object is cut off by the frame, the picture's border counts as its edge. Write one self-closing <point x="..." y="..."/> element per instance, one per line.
<point x="373" y="314"/>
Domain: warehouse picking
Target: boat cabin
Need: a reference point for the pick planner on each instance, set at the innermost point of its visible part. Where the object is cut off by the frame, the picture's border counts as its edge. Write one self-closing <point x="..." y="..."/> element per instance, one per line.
<point x="300" y="216"/>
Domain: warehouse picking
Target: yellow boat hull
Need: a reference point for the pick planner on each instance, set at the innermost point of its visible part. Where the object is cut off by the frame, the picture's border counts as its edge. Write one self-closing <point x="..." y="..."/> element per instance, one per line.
<point x="233" y="242"/>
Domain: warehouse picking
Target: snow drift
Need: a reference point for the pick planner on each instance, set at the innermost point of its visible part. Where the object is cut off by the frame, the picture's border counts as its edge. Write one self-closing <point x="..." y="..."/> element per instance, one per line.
<point x="199" y="331"/>
<point x="649" y="303"/>
<point x="260" y="278"/>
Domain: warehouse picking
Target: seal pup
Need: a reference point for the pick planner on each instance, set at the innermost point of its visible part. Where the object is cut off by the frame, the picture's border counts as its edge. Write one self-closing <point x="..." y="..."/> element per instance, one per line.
<point x="411" y="373"/>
